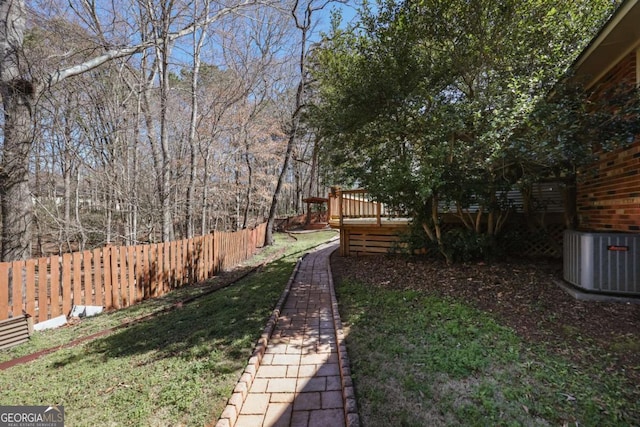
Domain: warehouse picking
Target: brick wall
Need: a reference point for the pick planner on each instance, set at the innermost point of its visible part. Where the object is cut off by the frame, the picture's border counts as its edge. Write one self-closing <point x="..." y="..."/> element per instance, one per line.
<point x="608" y="192"/>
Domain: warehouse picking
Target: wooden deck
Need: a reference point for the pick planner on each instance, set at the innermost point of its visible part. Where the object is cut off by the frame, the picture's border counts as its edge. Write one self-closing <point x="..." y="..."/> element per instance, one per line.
<point x="369" y="227"/>
<point x="366" y="226"/>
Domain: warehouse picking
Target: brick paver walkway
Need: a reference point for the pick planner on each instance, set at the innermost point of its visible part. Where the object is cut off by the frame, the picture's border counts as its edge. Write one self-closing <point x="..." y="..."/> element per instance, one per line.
<point x="303" y="377"/>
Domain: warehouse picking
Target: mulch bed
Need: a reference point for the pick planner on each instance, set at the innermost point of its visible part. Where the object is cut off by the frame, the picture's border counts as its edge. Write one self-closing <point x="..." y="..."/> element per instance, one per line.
<point x="521" y="294"/>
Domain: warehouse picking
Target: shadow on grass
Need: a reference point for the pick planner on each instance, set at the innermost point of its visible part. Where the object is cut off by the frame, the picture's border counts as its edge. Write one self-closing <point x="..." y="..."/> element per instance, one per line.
<point x="420" y="359"/>
<point x="227" y="322"/>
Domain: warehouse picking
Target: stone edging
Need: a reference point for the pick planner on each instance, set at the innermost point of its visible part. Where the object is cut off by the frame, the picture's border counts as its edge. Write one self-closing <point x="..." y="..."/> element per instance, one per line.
<point x="351" y="416"/>
<point x="241" y="390"/>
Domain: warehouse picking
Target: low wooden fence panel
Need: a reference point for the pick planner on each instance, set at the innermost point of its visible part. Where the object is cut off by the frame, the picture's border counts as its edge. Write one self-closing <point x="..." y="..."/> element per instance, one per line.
<point x="115" y="277"/>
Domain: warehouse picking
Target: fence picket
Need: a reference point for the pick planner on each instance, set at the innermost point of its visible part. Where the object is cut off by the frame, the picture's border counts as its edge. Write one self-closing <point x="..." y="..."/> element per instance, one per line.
<point x="166" y="268"/>
<point x="201" y="259"/>
<point x="77" y="279"/>
<point x="184" y="262"/>
<point x="139" y="274"/>
<point x="131" y="275"/>
<point x="17" y="302"/>
<point x="115" y="279"/>
<point x="87" y="262"/>
<point x="207" y="255"/>
<point x="106" y="277"/>
<point x="190" y="261"/>
<point x="122" y="281"/>
<point x="43" y="299"/>
<point x="171" y="265"/>
<point x="159" y="269"/>
<point x="30" y="284"/>
<point x="97" y="276"/>
<point x="153" y="274"/>
<point x="66" y="283"/>
<point x="178" y="264"/>
<point x="212" y="255"/>
<point x="4" y="290"/>
<point x="215" y="256"/>
<point x="55" y="287"/>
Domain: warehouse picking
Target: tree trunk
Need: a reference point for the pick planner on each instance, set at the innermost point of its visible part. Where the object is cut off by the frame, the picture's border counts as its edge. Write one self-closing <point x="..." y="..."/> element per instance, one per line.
<point x="110" y="200"/>
<point x="191" y="188"/>
<point x="66" y="196"/>
<point x="205" y="194"/>
<point x="198" y="41"/>
<point x="247" y="197"/>
<point x="236" y="210"/>
<point x="165" y="188"/>
<point x="313" y="173"/>
<point x="132" y="236"/>
<point x="297" y="203"/>
<point x="268" y="239"/>
<point x="78" y="221"/>
<point x="17" y="208"/>
<point x="18" y="97"/>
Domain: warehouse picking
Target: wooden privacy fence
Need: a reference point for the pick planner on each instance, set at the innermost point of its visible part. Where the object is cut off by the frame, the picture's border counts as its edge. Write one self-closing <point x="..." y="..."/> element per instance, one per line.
<point x="116" y="277"/>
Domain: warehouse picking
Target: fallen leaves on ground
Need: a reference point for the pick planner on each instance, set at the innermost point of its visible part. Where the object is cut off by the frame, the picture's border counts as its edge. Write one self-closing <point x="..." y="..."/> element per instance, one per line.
<point x="523" y="295"/>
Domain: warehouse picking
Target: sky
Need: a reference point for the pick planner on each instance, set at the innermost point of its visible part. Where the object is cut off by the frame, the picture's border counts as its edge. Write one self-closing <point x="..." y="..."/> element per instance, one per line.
<point x="348" y="10"/>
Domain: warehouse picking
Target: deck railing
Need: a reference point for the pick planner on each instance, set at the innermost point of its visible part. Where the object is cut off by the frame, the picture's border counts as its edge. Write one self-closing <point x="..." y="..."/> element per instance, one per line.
<point x="357" y="204"/>
<point x="115" y="277"/>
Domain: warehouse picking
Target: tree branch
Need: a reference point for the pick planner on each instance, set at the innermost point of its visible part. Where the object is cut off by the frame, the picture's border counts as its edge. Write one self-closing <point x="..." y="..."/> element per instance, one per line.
<point x="59" y="75"/>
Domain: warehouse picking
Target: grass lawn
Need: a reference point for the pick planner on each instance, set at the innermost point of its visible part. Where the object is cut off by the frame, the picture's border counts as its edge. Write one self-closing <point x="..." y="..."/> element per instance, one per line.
<point x="176" y="368"/>
<point x="423" y="360"/>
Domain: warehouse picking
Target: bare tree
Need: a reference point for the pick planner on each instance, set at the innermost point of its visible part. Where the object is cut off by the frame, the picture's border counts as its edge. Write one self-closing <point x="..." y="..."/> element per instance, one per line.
<point x="20" y="91"/>
<point x="198" y="41"/>
<point x="304" y="18"/>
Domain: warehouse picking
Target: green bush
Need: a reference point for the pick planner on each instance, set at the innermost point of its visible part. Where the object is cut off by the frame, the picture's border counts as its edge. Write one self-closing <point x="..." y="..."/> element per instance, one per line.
<point x="460" y="244"/>
<point x="466" y="245"/>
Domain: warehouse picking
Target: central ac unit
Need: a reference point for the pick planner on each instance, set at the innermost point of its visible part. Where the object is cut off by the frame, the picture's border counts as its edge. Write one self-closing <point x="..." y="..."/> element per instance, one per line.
<point x="602" y="262"/>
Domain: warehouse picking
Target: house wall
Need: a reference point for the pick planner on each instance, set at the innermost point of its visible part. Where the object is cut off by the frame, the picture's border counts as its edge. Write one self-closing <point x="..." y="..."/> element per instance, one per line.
<point x="608" y="192"/>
